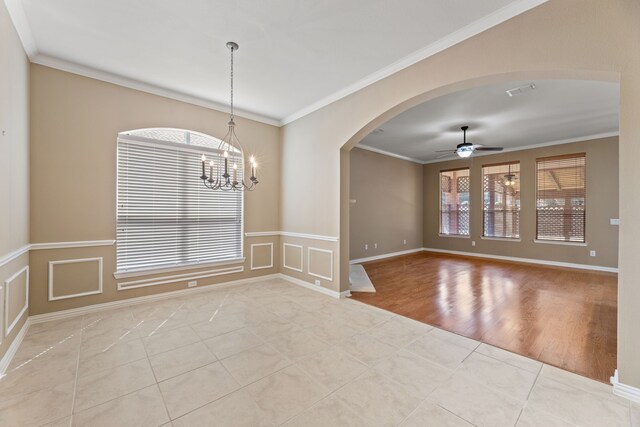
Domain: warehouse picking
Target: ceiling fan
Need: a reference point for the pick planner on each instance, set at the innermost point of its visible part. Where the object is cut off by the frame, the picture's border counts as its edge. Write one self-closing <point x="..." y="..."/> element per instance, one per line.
<point x="465" y="149"/>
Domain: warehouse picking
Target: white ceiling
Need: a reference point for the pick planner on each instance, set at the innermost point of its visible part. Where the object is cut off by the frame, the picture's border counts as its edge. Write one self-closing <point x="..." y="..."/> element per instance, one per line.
<point x="295" y="55"/>
<point x="556" y="111"/>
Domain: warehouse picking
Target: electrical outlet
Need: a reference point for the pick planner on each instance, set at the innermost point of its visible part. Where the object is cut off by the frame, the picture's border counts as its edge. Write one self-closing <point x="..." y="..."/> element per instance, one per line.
<point x="375" y="246"/>
<point x="192" y="284"/>
<point x="473" y="243"/>
<point x="614" y="221"/>
<point x="405" y="241"/>
<point x="318" y="283"/>
<point x="366" y="247"/>
<point x="592" y="253"/>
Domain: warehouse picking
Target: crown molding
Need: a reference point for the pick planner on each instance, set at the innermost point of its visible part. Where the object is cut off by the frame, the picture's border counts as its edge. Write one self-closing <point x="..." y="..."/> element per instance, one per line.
<point x="19" y="19"/>
<point x="530" y="146"/>
<point x="81" y="70"/>
<point x="476" y="27"/>
<point x="389" y="153"/>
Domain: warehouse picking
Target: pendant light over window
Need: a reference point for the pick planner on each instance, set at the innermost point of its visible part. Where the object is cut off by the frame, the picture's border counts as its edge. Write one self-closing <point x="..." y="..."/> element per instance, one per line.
<point x="226" y="166"/>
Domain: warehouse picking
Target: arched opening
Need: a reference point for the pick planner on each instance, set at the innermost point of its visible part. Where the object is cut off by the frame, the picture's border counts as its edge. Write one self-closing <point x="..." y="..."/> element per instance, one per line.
<point x="384" y="120"/>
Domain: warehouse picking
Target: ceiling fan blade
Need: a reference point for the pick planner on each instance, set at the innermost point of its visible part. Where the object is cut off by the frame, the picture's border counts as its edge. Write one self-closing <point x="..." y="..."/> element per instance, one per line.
<point x="488" y="148"/>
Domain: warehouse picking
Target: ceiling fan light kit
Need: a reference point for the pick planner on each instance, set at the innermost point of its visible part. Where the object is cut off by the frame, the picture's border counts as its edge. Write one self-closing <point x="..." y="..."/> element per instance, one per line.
<point x="466" y="149"/>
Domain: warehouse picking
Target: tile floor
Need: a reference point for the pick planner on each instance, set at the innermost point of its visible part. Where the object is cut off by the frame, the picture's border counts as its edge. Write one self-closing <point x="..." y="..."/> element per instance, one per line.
<point x="272" y="353"/>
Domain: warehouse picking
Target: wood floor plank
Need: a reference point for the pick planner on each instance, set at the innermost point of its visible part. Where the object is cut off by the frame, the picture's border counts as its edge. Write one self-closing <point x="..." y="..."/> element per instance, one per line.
<point x="562" y="317"/>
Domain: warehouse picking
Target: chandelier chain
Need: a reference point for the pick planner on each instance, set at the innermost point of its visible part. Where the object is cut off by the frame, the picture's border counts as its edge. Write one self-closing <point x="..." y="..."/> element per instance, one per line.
<point x="232" y="49"/>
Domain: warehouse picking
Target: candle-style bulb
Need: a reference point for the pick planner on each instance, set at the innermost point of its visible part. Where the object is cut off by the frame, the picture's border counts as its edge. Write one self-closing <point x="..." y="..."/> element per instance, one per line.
<point x="204" y="158"/>
<point x="252" y="160"/>
<point x="235" y="166"/>
<point x="226" y="154"/>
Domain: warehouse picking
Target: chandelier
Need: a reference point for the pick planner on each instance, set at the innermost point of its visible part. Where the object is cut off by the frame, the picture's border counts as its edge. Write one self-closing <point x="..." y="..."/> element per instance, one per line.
<point x="226" y="168"/>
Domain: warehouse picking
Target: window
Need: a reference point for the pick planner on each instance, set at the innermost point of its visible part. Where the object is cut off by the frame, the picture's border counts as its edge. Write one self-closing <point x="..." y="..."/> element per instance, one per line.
<point x="501" y="200"/>
<point x="454" y="202"/>
<point x="165" y="215"/>
<point x="561" y="198"/>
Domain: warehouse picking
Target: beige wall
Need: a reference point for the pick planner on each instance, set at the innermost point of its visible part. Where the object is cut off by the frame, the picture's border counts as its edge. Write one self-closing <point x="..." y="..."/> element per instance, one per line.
<point x="602" y="204"/>
<point x="558" y="39"/>
<point x="388" y="198"/>
<point x="14" y="170"/>
<point x="74" y="124"/>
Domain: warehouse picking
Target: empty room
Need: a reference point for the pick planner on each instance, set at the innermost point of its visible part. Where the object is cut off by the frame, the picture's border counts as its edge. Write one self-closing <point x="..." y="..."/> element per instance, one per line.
<point x="361" y="213"/>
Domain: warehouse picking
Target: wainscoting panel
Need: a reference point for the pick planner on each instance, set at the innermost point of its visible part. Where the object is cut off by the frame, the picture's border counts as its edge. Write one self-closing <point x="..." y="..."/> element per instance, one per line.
<point x="16" y="298"/>
<point x="73" y="278"/>
<point x="293" y="257"/>
<point x="261" y="256"/>
<point x="320" y="263"/>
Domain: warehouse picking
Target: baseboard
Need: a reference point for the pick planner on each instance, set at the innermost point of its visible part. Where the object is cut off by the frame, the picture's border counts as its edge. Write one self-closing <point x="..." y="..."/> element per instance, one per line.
<point x="322" y="290"/>
<point x="526" y="260"/>
<point x="63" y="314"/>
<point x="623" y="390"/>
<point x="13" y="348"/>
<point x="383" y="256"/>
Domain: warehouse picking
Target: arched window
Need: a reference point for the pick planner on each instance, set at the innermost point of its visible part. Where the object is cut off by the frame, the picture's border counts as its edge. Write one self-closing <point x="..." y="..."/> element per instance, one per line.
<point x="165" y="215"/>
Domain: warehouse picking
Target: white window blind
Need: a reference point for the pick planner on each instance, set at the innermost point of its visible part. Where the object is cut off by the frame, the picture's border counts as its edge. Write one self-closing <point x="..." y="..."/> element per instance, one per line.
<point x="501" y="200"/>
<point x="454" y="202"/>
<point x="165" y="215"/>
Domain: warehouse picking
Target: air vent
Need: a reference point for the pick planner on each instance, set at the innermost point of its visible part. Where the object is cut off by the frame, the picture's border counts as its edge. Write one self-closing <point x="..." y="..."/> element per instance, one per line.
<point x="520" y="90"/>
<point x="377" y="131"/>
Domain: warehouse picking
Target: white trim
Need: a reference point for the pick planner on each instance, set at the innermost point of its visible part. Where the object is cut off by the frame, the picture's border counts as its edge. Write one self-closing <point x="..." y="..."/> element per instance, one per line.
<point x="8" y="327"/>
<point x="383" y="256"/>
<point x="321" y="289"/>
<point x="94" y="308"/>
<point x="21" y="23"/>
<point x="13" y="348"/>
<point x="284" y="257"/>
<point x="15" y="254"/>
<point x="178" y="278"/>
<point x="389" y="153"/>
<point x="526" y="260"/>
<point x="105" y="76"/>
<point x="19" y="19"/>
<point x="310" y="236"/>
<point x="74" y="261"/>
<point x="512" y="9"/>
<point x="264" y="266"/>
<point x="67" y="245"/>
<point x="455" y="236"/>
<point x="502" y="239"/>
<point x="624" y="390"/>
<point x="309" y="249"/>
<point x="292" y="234"/>
<point x="554" y="242"/>
<point x="261" y="233"/>
<point x="151" y="271"/>
<point x="530" y="146"/>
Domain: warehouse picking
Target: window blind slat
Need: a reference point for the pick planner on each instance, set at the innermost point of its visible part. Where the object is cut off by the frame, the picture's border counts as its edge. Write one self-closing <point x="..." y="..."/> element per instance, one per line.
<point x="454" y="202"/>
<point x="165" y="215"/>
<point x="561" y="198"/>
<point x="501" y="202"/>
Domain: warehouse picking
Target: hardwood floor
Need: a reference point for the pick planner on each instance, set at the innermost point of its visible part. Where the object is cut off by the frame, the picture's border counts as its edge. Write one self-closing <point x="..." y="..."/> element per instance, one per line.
<point x="562" y="317"/>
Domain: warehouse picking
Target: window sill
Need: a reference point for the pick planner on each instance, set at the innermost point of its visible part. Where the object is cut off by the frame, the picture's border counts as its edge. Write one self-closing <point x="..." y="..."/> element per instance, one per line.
<point x="151" y="271"/>
<point x="553" y="242"/>
<point x="455" y="236"/>
<point x="502" y="239"/>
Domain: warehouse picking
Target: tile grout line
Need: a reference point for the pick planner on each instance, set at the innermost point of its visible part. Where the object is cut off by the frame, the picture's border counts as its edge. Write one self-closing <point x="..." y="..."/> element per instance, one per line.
<point x="157" y="384"/>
